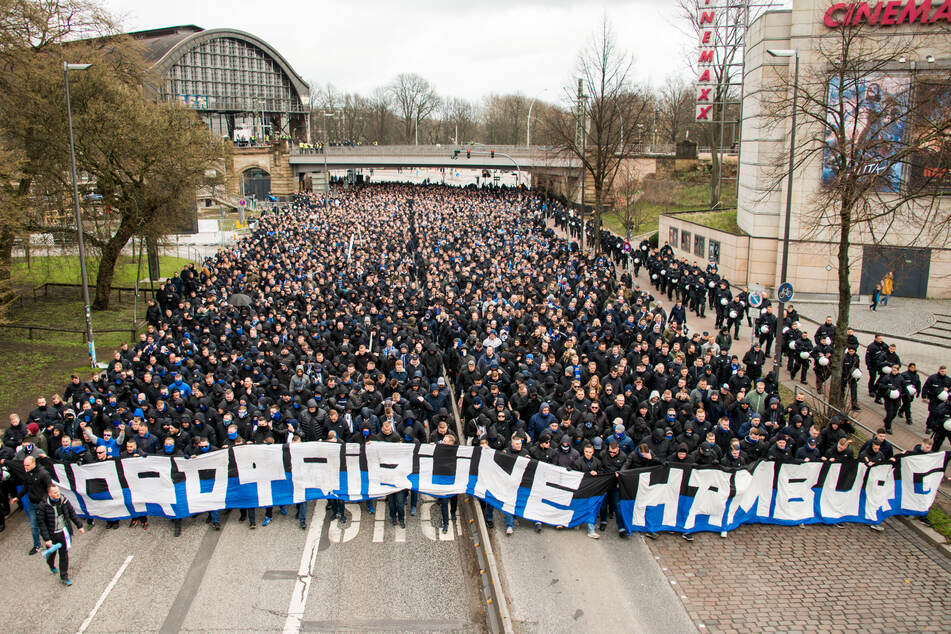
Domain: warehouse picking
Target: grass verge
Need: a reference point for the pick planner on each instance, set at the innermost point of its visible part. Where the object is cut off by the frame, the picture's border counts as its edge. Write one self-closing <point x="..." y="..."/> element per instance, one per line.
<point x="940" y="521"/>
<point x="64" y="269"/>
<point x="720" y="220"/>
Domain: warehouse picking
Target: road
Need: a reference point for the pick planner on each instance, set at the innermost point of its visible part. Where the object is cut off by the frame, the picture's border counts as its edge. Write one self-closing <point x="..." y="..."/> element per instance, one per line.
<point x="369" y="576"/>
<point x="562" y="581"/>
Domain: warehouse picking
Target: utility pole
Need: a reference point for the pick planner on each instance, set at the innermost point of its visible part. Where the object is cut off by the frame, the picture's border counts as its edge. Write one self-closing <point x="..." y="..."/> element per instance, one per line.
<point x="581" y="140"/>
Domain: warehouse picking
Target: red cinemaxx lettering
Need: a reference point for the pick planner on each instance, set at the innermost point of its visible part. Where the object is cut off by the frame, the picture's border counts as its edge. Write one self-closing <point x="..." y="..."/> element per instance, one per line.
<point x="885" y="14"/>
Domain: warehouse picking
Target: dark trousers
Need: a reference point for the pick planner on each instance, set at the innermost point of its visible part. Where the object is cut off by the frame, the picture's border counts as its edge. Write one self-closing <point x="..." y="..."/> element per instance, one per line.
<point x="59" y="538"/>
<point x="268" y="512"/>
<point x="891" y="410"/>
<point x="396" y="502"/>
<point x="445" y="504"/>
<point x="609" y="506"/>
<point x="853" y="388"/>
<point x="905" y="409"/>
<point x="766" y="342"/>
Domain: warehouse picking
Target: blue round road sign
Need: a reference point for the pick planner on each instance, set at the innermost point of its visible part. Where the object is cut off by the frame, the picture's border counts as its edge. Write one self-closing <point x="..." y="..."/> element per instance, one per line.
<point x="785" y="292"/>
<point x="756" y="300"/>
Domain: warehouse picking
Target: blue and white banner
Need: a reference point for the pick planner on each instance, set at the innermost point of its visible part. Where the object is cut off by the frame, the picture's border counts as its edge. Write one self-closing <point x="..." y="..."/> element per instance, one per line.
<point x="255" y="476"/>
<point x="663" y="498"/>
<point x="690" y="499"/>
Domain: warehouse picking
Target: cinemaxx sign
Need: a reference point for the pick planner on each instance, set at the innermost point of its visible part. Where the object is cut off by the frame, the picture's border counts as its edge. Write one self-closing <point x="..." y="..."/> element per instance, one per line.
<point x="885" y="14"/>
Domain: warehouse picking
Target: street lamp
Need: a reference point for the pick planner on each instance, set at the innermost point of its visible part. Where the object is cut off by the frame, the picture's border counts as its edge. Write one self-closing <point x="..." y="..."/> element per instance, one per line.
<point x="794" y="53"/>
<point x="528" y="121"/>
<point x="79" y="221"/>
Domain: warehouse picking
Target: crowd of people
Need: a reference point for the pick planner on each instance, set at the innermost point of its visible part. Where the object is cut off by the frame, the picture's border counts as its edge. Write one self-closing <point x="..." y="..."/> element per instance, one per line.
<point x="369" y="312"/>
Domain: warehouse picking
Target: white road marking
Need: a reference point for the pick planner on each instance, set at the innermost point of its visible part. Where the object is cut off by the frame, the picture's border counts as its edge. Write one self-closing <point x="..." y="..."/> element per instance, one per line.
<point x="338" y="535"/>
<point x="400" y="535"/>
<point x="379" y="526"/>
<point x="105" y="593"/>
<point x="295" y="610"/>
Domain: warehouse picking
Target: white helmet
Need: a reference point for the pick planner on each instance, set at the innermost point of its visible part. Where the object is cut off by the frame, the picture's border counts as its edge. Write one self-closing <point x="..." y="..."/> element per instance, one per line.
<point x="856" y="374"/>
<point x="943" y="395"/>
<point x="732" y="314"/>
<point x="947" y="424"/>
<point x="785" y="329"/>
<point x="912" y="389"/>
<point x="764" y="329"/>
<point x="723" y="301"/>
<point x="637" y="260"/>
<point x="654" y="276"/>
<point x="886" y="369"/>
<point x="792" y="345"/>
<point x="663" y="271"/>
<point x="823" y="361"/>
<point x="803" y="355"/>
<point x="712" y="284"/>
<point x="893" y="394"/>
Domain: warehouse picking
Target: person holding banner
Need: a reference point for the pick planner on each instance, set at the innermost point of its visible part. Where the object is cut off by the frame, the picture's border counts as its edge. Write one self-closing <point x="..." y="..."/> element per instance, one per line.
<point x="55" y="515"/>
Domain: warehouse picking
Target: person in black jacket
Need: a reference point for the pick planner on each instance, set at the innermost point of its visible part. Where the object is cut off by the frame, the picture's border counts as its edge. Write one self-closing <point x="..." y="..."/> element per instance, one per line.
<point x="54" y="515"/>
<point x="36" y="480"/>
<point x="612" y="461"/>
<point x="589" y="464"/>
<point x="851" y="373"/>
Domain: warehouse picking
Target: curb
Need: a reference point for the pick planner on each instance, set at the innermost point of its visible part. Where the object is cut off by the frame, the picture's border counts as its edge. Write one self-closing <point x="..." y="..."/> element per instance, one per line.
<point x="498" y="617"/>
<point x="940" y="544"/>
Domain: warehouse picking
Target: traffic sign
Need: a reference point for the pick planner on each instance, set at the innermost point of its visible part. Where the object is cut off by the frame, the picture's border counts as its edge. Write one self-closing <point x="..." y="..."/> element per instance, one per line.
<point x="627" y="247"/>
<point x="242" y="202"/>
<point x="785" y="292"/>
<point x="756" y="300"/>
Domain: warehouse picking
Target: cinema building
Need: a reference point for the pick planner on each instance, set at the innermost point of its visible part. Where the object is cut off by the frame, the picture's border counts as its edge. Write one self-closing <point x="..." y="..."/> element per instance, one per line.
<point x="917" y="254"/>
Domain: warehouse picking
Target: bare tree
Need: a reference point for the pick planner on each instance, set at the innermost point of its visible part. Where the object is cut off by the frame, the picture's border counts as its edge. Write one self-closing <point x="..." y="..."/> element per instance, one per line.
<point x="611" y="112"/>
<point x="380" y="104"/>
<point x="675" y="109"/>
<point x="504" y="118"/>
<point x="881" y="138"/>
<point x="415" y="99"/>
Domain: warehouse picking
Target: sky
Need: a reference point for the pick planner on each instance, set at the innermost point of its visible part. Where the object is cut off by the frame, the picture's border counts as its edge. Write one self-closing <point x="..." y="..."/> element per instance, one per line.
<point x="465" y="49"/>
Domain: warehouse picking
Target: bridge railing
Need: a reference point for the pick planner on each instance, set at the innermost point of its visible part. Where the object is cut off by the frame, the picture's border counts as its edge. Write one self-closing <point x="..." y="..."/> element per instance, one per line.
<point x="517" y="151"/>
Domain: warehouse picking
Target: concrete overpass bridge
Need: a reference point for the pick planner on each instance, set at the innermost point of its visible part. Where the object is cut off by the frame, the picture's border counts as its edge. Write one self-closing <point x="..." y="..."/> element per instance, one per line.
<point x="505" y="157"/>
<point x="292" y="169"/>
<point x="545" y="167"/>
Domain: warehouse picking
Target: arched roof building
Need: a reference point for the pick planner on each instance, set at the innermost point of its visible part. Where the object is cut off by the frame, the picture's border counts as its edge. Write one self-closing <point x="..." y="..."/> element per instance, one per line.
<point x="239" y="84"/>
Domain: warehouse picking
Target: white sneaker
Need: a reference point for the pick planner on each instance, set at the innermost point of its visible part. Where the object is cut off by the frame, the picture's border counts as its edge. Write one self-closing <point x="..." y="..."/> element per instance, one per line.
<point x="723" y="534"/>
<point x="878" y="528"/>
<point x="594" y="536"/>
<point x="508" y="530"/>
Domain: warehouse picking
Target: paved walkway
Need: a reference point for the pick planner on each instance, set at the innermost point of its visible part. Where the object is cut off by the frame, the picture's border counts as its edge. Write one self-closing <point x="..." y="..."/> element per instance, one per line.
<point x="814" y="579"/>
<point x="904" y="317"/>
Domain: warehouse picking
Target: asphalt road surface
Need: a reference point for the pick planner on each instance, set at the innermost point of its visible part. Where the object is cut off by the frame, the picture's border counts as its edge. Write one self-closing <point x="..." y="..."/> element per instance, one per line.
<point x="563" y="581"/>
<point x="368" y="576"/>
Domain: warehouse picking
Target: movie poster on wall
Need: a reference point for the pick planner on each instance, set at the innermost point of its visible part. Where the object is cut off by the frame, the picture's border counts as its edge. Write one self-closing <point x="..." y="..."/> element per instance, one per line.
<point x="875" y="112"/>
<point x="931" y="167"/>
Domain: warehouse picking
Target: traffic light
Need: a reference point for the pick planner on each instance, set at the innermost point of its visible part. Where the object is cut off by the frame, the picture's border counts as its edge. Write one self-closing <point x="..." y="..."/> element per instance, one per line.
<point x="468" y="154"/>
<point x="491" y="153"/>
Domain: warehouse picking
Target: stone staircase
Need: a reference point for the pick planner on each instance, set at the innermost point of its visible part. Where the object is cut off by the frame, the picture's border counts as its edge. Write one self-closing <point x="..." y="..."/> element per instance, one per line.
<point x="938" y="334"/>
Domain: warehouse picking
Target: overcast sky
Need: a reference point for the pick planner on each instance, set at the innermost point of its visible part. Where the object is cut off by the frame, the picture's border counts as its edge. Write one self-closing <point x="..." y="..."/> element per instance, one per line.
<point x="466" y="49"/>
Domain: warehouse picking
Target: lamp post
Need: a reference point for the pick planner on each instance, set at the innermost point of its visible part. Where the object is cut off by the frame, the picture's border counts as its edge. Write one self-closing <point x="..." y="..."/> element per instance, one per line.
<point x="79" y="221"/>
<point x="528" y="120"/>
<point x="794" y="53"/>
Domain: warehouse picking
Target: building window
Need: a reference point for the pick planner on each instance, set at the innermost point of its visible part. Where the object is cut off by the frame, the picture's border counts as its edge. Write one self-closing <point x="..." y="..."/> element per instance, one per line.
<point x="673" y="238"/>
<point x="698" y="245"/>
<point x="714" y="251"/>
<point x="685" y="241"/>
